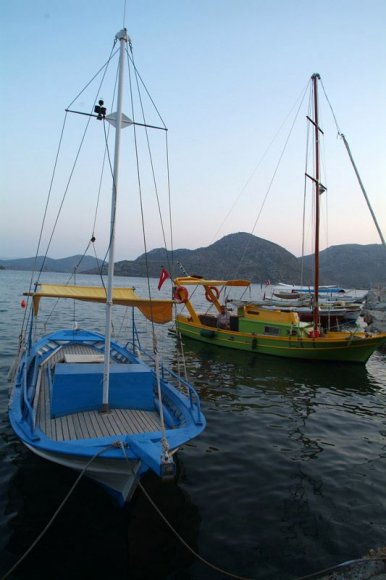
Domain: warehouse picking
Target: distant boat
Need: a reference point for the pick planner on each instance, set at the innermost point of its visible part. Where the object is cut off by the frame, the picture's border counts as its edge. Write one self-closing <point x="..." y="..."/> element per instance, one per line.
<point x="329" y="293"/>
<point x="293" y="295"/>
<point x="331" y="312"/>
<point x="310" y="289"/>
<point x="330" y="316"/>
<point x="275" y="332"/>
<point x="86" y="402"/>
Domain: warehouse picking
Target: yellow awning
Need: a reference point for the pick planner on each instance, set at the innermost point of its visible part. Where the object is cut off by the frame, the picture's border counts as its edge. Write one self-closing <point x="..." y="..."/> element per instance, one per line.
<point x="192" y="281"/>
<point x="159" y="311"/>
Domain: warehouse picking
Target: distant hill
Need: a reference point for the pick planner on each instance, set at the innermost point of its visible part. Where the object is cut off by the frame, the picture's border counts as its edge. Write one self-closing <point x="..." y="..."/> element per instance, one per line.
<point x="50" y="265"/>
<point x="234" y="256"/>
<point x="352" y="265"/>
<point x="241" y="255"/>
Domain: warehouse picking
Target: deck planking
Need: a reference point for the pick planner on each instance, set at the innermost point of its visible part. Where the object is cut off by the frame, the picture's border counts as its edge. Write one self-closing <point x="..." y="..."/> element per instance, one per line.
<point x="88" y="424"/>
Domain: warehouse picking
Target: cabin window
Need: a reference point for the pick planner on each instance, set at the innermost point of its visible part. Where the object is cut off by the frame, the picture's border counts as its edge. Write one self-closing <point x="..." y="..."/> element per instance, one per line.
<point x="271" y="330"/>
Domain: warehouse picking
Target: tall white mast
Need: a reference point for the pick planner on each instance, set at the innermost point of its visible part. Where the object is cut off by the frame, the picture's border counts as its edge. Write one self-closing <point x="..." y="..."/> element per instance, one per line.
<point x="122" y="36"/>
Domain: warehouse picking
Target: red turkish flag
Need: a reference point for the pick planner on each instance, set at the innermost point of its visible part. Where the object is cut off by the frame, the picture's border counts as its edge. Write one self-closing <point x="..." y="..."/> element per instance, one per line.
<point x="164" y="276"/>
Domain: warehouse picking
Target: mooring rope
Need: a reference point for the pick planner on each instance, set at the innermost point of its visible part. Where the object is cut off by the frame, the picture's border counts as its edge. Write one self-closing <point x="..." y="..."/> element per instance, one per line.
<point x="189" y="548"/>
<point x="339" y="567"/>
<point x="178" y="536"/>
<point x="56" y="513"/>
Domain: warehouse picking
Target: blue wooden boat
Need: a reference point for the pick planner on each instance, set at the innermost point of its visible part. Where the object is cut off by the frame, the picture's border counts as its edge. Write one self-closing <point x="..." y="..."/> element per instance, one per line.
<point x="82" y="400"/>
<point x="55" y="410"/>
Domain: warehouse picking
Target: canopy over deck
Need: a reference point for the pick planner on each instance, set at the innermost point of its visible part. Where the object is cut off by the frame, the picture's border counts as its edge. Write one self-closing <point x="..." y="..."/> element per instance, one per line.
<point x="159" y="311"/>
<point x="192" y="281"/>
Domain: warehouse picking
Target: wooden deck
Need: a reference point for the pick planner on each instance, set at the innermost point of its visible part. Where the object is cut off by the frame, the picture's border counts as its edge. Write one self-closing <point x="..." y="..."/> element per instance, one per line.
<point x="88" y="424"/>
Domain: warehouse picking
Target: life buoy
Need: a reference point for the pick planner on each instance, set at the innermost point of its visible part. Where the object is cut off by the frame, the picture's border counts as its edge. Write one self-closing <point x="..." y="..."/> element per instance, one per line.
<point x="214" y="291"/>
<point x="181" y="294"/>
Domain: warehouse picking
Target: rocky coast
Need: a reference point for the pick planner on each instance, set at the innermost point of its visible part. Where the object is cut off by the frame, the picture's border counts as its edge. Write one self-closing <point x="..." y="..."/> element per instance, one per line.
<point x="374" y="311"/>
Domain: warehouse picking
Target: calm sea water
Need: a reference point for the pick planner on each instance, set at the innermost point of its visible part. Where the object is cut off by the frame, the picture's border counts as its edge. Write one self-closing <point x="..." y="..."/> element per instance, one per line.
<point x="288" y="478"/>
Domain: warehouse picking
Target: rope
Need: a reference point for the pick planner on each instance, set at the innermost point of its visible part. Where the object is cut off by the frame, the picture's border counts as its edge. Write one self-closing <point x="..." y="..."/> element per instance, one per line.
<point x="230" y="574"/>
<point x="178" y="536"/>
<point x="104" y="69"/>
<point x="301" y="97"/>
<point x="332" y="110"/>
<point x="165" y="444"/>
<point x="151" y="157"/>
<point x="339" y="567"/>
<point x="184" y="543"/>
<point x="76" y="155"/>
<point x="139" y="181"/>
<point x="271" y="182"/>
<point x="56" y="513"/>
<point x="180" y="350"/>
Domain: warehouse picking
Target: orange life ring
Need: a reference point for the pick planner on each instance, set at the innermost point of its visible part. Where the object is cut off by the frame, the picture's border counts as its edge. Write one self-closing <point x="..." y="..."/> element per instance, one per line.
<point x="215" y="291"/>
<point x="181" y="294"/>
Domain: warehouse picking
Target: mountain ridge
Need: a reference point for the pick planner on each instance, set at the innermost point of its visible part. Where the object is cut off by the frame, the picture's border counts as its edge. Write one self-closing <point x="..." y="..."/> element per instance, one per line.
<point x="238" y="255"/>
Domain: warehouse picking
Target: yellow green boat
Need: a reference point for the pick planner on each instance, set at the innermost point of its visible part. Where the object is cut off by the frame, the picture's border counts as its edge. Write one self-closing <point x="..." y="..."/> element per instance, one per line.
<point x="275" y="332"/>
<point x="271" y="332"/>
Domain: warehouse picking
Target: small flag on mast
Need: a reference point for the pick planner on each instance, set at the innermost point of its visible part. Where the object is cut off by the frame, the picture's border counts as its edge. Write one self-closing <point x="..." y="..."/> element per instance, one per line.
<point x="164" y="276"/>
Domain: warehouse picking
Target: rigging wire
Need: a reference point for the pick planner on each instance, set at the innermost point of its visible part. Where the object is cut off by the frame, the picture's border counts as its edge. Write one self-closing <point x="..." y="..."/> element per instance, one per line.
<point x="324" y="197"/>
<point x="311" y="226"/>
<point x="106" y="136"/>
<point x="340" y="134"/>
<point x="272" y="180"/>
<point x="138" y="78"/>
<point x="169" y="201"/>
<point x="131" y="58"/>
<point x="76" y="157"/>
<point x="301" y="98"/>
<point x="65" y="193"/>
<point x="73" y="275"/>
<point x="305" y="196"/>
<point x="332" y="110"/>
<point x="104" y="68"/>
<point x="151" y="162"/>
<point x="139" y="182"/>
<point x="165" y="445"/>
<point x="25" y="317"/>
<point x="114" y="186"/>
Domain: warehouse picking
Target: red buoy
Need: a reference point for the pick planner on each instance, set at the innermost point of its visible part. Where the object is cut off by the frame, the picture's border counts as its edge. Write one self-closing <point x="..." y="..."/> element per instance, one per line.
<point x="23" y="303"/>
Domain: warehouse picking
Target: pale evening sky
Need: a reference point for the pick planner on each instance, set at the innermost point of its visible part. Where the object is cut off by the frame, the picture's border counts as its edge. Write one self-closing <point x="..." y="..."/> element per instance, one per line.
<point x="224" y="75"/>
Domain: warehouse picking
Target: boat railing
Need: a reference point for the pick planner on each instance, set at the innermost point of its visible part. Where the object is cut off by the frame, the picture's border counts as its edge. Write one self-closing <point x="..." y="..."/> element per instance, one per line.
<point x="25" y="398"/>
<point x="181" y="384"/>
<point x="192" y="394"/>
<point x="35" y="361"/>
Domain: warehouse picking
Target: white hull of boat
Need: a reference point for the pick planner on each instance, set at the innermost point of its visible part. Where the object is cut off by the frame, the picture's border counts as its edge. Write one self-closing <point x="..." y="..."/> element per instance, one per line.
<point x="119" y="477"/>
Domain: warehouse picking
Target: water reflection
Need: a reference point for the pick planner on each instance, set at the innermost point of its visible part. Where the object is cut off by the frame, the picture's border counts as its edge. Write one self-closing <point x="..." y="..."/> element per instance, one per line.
<point x="298" y="441"/>
<point x="92" y="537"/>
<point x="226" y="367"/>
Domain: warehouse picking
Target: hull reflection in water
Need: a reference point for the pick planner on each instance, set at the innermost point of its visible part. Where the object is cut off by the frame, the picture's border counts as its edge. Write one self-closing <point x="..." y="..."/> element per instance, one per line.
<point x="123" y="538"/>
